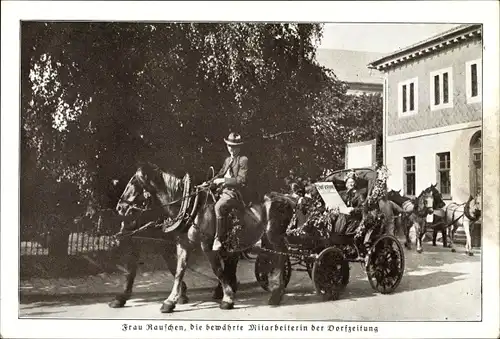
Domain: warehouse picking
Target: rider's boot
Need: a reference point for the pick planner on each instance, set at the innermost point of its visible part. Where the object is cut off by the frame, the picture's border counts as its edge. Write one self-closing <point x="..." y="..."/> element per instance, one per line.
<point x="219" y="232"/>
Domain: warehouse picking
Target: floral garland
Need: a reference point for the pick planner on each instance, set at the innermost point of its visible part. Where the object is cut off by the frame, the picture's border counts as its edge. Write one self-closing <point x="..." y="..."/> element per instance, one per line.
<point x="379" y="189"/>
<point x="320" y="220"/>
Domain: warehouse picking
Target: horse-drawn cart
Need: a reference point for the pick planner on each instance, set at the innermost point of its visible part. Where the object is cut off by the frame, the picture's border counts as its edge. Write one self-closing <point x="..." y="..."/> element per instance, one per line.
<point x="326" y="257"/>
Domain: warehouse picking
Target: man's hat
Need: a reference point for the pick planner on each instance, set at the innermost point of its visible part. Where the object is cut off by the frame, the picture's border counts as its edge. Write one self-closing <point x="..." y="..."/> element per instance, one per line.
<point x="234" y="139"/>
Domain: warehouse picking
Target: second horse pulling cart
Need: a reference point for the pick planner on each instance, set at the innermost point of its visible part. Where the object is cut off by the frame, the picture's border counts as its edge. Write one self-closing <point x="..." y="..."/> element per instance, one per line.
<point x="326" y="257"/>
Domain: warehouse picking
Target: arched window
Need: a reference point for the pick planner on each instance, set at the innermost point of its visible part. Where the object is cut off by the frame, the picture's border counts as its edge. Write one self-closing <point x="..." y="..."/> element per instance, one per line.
<point x="476" y="177"/>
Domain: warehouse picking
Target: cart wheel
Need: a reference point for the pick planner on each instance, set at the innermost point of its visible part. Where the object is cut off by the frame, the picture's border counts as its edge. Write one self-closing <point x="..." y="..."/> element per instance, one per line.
<point x="330" y="273"/>
<point x="386" y="264"/>
<point x="263" y="268"/>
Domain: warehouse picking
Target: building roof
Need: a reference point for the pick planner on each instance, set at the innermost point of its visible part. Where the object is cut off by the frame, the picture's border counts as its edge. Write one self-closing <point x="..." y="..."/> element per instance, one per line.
<point x="350" y="66"/>
<point x="428" y="46"/>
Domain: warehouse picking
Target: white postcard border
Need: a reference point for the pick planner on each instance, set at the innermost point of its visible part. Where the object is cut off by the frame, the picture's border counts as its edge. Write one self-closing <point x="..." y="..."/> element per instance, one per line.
<point x="485" y="12"/>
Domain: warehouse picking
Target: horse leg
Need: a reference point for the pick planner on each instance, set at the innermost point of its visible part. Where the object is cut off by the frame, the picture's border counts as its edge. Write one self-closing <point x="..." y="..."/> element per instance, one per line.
<point x="444" y="234"/>
<point x="419" y="234"/>
<point x="406" y="231"/>
<point x="468" y="240"/>
<point x="275" y="241"/>
<point x="131" y="267"/>
<point x="230" y="267"/>
<point x="452" y="231"/>
<point x="407" y="240"/>
<point x="218" y="294"/>
<point x="214" y="259"/>
<point x="407" y="236"/>
<point x="434" y="236"/>
<point x="182" y="261"/>
<point x="172" y="267"/>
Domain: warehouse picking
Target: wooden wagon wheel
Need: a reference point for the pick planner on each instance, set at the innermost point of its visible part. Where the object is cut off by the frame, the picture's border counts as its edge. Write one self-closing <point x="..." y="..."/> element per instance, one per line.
<point x="330" y="273"/>
<point x="386" y="264"/>
<point x="345" y="280"/>
<point x="263" y="268"/>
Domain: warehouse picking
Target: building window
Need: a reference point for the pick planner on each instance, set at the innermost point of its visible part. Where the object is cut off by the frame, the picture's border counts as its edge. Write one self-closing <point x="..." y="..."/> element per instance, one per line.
<point x="437" y="96"/>
<point x="473" y="78"/>
<point x="408" y="97"/>
<point x="441" y="89"/>
<point x="475" y="149"/>
<point x="443" y="174"/>
<point x="409" y="176"/>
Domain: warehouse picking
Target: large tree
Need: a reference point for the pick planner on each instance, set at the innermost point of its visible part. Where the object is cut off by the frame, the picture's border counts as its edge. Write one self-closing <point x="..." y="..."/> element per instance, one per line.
<point x="97" y="98"/>
<point x="342" y="119"/>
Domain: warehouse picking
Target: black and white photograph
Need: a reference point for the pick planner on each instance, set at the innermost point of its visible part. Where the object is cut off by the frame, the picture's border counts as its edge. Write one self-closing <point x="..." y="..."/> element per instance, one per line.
<point x="262" y="177"/>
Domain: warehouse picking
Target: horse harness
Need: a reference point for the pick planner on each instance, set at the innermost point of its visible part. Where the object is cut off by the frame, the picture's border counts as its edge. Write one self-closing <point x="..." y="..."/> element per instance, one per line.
<point x="408" y="203"/>
<point x="190" y="204"/>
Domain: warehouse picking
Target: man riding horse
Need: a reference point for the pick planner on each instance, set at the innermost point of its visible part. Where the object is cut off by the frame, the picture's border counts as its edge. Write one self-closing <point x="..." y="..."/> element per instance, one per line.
<point x="232" y="178"/>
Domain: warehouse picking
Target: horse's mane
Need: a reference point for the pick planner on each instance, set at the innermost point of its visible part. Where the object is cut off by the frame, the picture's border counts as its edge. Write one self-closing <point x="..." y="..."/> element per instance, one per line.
<point x="438" y="198"/>
<point x="401" y="198"/>
<point x="164" y="180"/>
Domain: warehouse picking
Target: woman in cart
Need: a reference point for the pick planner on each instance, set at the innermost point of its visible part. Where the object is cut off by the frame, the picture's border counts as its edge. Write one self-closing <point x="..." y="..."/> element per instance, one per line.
<point x="353" y="198"/>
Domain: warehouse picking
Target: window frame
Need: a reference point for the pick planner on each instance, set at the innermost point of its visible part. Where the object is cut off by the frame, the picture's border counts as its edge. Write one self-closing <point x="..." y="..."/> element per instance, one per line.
<point x="407" y="83"/>
<point x="468" y="79"/>
<point x="405" y="175"/>
<point x="439" y="170"/>
<point x="475" y="149"/>
<point x="440" y="73"/>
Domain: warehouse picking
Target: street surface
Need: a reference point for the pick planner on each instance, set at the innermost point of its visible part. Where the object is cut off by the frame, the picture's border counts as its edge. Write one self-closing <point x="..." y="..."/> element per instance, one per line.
<point x="438" y="285"/>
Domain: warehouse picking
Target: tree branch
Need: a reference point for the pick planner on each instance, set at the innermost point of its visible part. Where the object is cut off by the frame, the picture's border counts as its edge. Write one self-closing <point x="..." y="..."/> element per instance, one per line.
<point x="271" y="136"/>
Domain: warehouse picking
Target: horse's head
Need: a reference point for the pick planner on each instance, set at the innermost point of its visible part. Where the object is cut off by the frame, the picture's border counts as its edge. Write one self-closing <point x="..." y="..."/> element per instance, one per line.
<point x="429" y="200"/>
<point x="395" y="196"/>
<point x="425" y="201"/>
<point x="149" y="185"/>
<point x="475" y="205"/>
<point x="136" y="193"/>
<point x="438" y="197"/>
<point x="479" y="201"/>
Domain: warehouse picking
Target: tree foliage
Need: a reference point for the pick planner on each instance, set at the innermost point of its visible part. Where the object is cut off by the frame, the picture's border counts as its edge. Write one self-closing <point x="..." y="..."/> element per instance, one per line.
<point x="339" y="120"/>
<point x="98" y="98"/>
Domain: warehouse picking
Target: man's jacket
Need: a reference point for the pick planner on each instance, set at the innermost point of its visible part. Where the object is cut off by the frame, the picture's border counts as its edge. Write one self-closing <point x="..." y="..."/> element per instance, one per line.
<point x="238" y="168"/>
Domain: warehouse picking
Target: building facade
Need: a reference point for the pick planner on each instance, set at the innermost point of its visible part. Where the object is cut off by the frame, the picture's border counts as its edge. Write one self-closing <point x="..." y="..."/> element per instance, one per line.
<point x="433" y="114"/>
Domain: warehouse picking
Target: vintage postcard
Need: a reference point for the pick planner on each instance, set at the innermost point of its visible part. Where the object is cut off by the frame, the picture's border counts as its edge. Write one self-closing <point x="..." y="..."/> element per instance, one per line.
<point x="250" y="170"/>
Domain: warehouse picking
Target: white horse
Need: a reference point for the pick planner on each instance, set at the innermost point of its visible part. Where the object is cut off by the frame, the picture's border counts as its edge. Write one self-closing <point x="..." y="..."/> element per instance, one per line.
<point x="466" y="215"/>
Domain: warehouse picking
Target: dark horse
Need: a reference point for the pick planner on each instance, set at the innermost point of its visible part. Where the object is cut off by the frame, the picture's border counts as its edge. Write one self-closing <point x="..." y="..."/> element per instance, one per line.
<point x="269" y="218"/>
<point x="419" y="213"/>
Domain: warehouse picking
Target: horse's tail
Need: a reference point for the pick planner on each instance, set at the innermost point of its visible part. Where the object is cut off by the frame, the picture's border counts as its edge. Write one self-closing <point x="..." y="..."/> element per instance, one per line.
<point x="278" y="212"/>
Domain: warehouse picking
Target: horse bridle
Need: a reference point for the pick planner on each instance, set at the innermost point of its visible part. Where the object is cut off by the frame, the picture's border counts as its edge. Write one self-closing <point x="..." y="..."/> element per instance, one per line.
<point x="423" y="211"/>
<point x="134" y="206"/>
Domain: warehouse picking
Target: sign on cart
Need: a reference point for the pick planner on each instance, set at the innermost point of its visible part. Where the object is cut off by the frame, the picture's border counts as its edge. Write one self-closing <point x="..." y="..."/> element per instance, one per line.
<point x="331" y="197"/>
